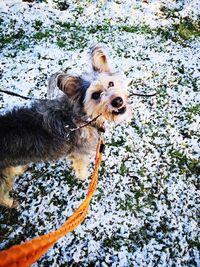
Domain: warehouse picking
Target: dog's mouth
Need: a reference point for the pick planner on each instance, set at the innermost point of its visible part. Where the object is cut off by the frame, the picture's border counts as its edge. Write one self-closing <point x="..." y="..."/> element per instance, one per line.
<point x="120" y="111"/>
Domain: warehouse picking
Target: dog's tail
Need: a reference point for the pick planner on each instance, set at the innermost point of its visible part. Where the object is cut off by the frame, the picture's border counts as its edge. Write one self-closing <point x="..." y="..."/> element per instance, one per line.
<point x="53" y="91"/>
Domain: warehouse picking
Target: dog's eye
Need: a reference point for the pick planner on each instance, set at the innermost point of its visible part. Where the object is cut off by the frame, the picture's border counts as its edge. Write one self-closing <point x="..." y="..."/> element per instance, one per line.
<point x="110" y="84"/>
<point x="96" y="95"/>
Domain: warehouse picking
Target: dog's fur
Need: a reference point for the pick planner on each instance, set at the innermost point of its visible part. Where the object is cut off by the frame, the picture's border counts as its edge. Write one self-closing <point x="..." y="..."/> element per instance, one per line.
<point x="48" y="130"/>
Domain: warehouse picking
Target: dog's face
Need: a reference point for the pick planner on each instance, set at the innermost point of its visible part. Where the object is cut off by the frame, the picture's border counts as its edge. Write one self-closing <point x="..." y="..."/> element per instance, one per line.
<point x="107" y="96"/>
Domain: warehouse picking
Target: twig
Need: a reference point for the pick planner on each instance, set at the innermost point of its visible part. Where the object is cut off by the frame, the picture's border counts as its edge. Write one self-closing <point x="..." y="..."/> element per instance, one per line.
<point x="85" y="124"/>
<point x="151" y="95"/>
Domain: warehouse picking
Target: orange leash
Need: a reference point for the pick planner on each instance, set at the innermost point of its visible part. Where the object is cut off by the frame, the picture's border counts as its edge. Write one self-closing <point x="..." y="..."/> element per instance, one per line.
<point x="30" y="251"/>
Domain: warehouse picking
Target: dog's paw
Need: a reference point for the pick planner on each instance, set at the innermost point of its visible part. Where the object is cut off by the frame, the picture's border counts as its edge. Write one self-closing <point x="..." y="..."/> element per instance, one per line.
<point x="20" y="169"/>
<point x="82" y="174"/>
<point x="8" y="202"/>
<point x="15" y="204"/>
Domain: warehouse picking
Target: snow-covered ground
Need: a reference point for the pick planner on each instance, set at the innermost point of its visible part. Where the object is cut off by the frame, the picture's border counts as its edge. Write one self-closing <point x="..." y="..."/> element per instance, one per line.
<point x="146" y="208"/>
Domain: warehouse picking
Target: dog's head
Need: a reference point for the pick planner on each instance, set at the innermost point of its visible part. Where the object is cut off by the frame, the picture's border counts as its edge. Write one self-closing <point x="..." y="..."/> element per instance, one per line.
<point x="104" y="94"/>
<point x="108" y="96"/>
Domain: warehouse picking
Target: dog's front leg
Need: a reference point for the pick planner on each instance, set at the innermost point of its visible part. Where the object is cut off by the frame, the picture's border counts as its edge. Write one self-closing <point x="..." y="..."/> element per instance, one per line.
<point x="7" y="176"/>
<point x="80" y="164"/>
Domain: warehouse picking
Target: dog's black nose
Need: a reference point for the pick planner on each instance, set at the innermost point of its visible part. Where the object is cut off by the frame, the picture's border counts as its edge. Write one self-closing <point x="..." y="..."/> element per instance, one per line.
<point x="117" y="102"/>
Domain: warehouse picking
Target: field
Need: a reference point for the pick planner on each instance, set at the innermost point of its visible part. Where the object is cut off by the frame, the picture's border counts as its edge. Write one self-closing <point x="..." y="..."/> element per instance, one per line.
<point x="145" y="211"/>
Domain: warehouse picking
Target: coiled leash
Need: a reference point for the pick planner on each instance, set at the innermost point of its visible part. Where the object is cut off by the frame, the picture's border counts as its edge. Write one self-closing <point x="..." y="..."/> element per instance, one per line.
<point x="29" y="252"/>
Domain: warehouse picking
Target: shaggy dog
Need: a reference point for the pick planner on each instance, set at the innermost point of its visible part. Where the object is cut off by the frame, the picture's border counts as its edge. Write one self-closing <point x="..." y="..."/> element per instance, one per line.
<point x="66" y="124"/>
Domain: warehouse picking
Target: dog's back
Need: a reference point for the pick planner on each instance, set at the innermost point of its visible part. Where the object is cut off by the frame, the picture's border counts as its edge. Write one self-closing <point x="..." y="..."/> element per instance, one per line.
<point x="26" y="135"/>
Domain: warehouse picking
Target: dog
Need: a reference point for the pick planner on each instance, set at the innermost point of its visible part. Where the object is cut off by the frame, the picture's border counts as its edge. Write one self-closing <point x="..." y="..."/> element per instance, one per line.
<point x="66" y="124"/>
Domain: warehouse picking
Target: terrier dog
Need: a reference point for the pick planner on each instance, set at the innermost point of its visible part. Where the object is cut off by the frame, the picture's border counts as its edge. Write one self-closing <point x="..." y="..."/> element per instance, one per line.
<point x="53" y="128"/>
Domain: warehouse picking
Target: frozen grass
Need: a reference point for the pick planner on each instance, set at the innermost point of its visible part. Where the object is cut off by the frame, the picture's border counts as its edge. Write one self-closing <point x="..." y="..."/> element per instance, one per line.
<point x="146" y="208"/>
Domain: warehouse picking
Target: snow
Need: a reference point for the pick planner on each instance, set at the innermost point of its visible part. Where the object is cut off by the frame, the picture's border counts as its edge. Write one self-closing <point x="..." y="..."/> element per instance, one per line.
<point x="144" y="212"/>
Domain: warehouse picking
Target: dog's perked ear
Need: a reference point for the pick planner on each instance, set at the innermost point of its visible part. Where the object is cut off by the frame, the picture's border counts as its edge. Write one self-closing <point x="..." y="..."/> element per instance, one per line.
<point x="61" y="84"/>
<point x="69" y="85"/>
<point x="100" y="59"/>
